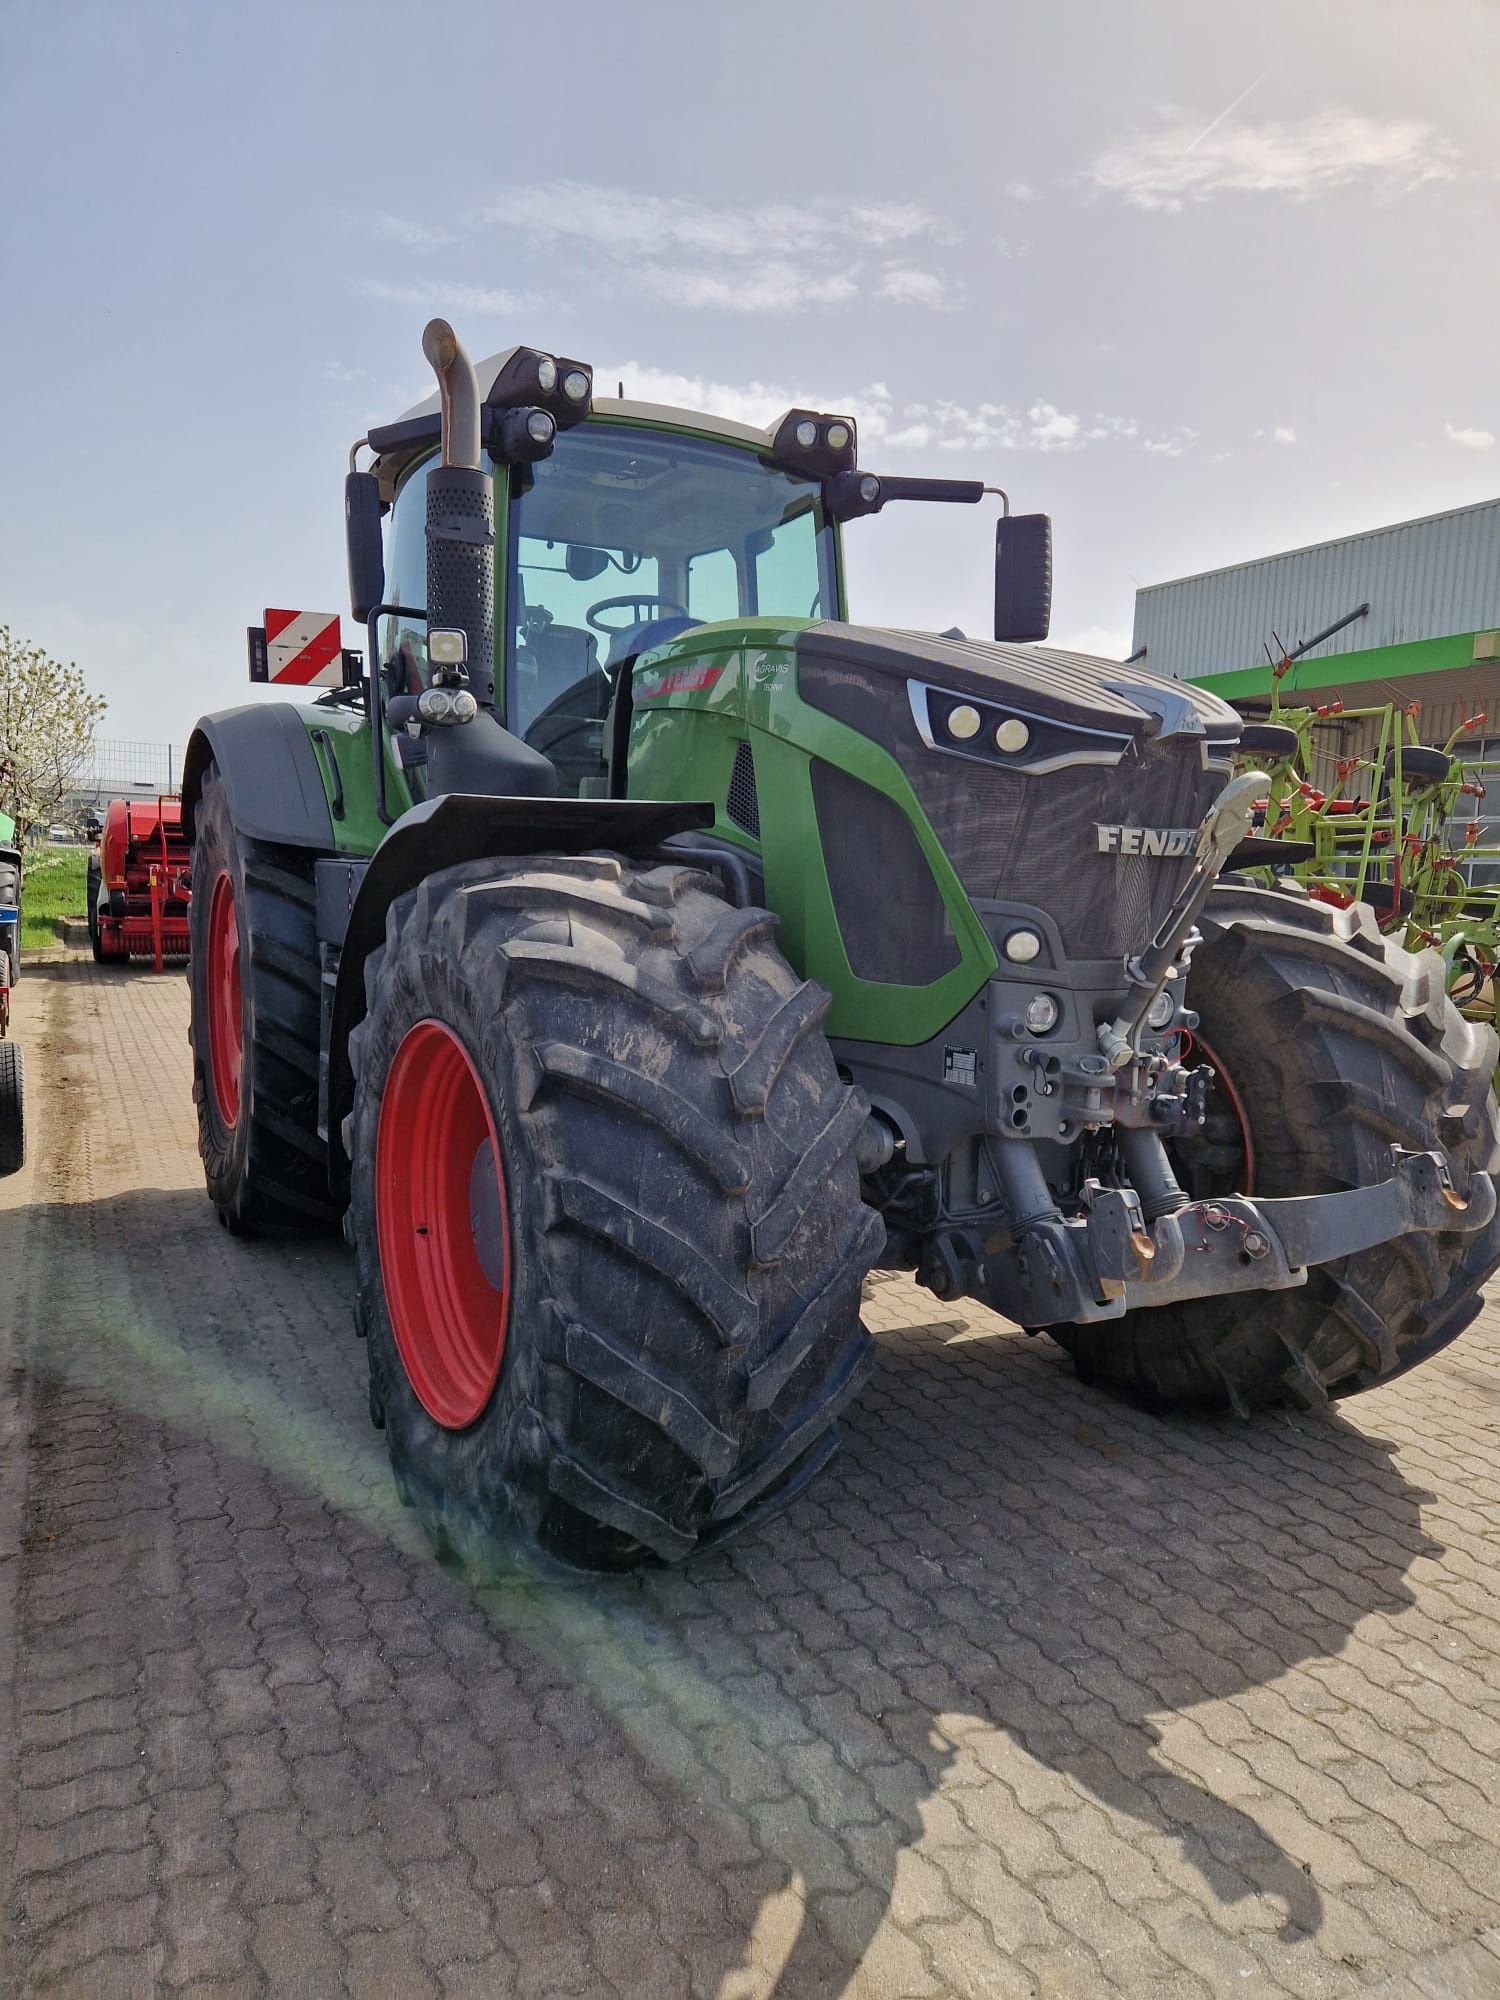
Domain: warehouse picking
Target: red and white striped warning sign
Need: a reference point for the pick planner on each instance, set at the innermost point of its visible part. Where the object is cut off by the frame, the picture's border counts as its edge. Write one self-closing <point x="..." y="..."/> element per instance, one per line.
<point x="304" y="648"/>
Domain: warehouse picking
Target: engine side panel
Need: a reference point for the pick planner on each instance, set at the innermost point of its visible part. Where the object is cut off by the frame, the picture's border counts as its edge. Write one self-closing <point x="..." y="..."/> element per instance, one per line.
<point x="697" y="699"/>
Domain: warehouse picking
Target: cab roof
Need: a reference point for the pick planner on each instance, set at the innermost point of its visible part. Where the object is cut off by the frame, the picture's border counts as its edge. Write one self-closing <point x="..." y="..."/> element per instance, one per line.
<point x="414" y="433"/>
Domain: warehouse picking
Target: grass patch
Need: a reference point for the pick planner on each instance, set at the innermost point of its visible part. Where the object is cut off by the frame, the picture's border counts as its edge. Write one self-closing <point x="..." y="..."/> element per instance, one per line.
<point x="54" y="884"/>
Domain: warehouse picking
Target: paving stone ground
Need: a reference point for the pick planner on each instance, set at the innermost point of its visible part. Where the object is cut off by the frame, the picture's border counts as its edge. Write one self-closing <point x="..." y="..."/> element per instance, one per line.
<point x="1033" y="1694"/>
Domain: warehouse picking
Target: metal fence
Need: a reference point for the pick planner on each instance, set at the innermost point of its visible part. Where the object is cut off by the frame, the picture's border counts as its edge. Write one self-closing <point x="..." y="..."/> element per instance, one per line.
<point x="120" y="767"/>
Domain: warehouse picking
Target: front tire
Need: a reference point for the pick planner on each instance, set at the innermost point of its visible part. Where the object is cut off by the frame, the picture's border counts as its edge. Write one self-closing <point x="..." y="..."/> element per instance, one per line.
<point x="605" y="1210"/>
<point x="1335" y="1044"/>
<point x="253" y="971"/>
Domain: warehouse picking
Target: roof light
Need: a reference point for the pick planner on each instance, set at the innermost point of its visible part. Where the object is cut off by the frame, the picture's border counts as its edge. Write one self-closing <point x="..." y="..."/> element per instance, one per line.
<point x="540" y="426"/>
<point x="814" y="444"/>
<point x="528" y="376"/>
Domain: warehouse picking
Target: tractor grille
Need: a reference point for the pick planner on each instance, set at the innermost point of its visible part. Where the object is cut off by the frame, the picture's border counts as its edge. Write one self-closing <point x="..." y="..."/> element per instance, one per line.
<point x="891" y="914"/>
<point x="1018" y="838"/>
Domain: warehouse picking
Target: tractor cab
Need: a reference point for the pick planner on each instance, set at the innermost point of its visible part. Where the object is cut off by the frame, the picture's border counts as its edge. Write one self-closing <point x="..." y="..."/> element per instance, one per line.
<point x="631" y="533"/>
<point x="620" y="527"/>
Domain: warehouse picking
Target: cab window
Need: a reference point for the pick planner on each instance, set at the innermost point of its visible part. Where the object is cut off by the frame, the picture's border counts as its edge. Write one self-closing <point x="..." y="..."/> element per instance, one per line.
<point x="625" y="537"/>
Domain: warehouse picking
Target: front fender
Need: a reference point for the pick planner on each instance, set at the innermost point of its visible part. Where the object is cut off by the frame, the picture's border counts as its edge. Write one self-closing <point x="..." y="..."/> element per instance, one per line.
<point x="270" y="770"/>
<point x="441" y="833"/>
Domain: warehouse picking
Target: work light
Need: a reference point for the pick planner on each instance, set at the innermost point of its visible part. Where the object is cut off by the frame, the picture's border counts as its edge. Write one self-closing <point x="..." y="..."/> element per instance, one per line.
<point x="808" y="442"/>
<point x="527" y="377"/>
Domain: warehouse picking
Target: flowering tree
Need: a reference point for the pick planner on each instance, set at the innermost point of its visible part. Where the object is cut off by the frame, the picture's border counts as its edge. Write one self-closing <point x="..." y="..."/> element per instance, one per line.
<point x="47" y="722"/>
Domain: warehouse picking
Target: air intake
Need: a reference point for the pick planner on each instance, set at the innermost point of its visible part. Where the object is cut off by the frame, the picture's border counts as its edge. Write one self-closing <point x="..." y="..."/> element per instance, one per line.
<point x="743" y="804"/>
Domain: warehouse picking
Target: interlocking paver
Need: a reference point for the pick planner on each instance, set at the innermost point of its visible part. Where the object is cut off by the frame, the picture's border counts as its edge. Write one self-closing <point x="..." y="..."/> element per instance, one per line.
<point x="1033" y="1693"/>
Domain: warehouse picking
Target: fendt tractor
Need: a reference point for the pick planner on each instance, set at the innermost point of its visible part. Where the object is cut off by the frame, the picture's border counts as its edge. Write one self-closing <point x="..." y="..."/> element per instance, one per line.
<point x="637" y="952"/>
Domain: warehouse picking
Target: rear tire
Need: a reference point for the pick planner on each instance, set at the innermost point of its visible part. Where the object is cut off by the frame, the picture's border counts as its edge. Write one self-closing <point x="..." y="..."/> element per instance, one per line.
<point x="253" y="971"/>
<point x="1339" y="1044"/>
<point x="678" y="1304"/>
<point x="12" y="1110"/>
<point x="94" y="880"/>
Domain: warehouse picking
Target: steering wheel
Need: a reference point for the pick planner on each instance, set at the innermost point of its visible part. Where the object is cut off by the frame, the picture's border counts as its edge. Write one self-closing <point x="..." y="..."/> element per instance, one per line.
<point x="632" y="602"/>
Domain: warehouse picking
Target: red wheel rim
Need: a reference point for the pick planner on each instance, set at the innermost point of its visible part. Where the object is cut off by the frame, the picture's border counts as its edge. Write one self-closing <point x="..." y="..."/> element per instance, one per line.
<point x="1236" y="1104"/>
<point x="226" y="1046"/>
<point x="443" y="1225"/>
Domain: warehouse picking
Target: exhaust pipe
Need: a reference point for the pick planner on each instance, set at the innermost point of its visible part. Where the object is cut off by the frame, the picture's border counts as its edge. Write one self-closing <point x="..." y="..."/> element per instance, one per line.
<point x="460" y="519"/>
<point x="458" y="390"/>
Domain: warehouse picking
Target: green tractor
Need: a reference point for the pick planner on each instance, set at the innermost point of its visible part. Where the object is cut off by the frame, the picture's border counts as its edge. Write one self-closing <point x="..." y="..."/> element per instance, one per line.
<point x="637" y="952"/>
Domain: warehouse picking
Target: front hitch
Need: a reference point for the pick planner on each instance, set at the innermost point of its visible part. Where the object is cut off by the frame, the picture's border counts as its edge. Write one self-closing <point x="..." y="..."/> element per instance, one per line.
<point x="1234" y="1244"/>
<point x="1108" y="1260"/>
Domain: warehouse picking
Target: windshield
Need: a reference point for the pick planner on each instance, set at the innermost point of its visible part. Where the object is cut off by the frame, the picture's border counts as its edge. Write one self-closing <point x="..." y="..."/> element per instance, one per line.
<point x="623" y="537"/>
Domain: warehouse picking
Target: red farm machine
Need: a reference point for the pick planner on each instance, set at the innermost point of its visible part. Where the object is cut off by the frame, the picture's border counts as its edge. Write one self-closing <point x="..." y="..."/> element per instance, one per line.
<point x="138" y="882"/>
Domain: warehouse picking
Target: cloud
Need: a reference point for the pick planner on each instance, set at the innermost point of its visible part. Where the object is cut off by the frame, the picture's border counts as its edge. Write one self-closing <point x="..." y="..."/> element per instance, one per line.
<point x="1284" y="434"/>
<point x="387" y="228"/>
<point x="904" y="285"/>
<point x="775" y="286"/>
<point x="434" y="295"/>
<point x="1172" y="444"/>
<point x="1053" y="429"/>
<point x="754" y="257"/>
<point x="1186" y="162"/>
<point x="888" y="424"/>
<point x="1112" y="427"/>
<point x="1472" y="440"/>
<point x="1021" y="191"/>
<point x="625" y="224"/>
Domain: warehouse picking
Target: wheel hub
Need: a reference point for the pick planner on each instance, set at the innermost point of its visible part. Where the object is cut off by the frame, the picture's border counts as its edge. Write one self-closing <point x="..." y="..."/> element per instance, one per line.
<point x="442" y="1225"/>
<point x="226" y="1052"/>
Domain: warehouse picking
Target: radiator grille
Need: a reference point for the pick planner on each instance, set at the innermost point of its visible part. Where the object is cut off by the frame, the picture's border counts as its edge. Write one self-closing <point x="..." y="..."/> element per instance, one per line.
<point x="1016" y="838"/>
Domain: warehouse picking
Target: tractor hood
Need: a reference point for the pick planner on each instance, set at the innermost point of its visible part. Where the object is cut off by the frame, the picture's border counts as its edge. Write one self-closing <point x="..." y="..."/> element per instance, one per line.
<point x="1072" y="783"/>
<point x="1073" y="689"/>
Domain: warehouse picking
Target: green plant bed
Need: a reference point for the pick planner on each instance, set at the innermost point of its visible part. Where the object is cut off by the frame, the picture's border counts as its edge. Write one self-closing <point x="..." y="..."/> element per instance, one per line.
<point x="54" y="885"/>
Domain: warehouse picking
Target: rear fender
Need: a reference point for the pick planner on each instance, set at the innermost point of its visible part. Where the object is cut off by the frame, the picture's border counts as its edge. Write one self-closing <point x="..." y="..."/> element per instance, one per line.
<point x="441" y="833"/>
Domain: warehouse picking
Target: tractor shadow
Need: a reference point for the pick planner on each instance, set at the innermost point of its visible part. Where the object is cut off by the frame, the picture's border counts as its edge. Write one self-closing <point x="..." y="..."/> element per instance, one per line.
<point x="1006" y="1594"/>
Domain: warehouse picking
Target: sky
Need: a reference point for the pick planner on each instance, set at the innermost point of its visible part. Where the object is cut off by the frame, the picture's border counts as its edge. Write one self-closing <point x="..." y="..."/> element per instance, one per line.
<point x="1200" y="282"/>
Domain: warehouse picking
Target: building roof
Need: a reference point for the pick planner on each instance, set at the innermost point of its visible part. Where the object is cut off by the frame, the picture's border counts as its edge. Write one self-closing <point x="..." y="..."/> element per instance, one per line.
<point x="1422" y="579"/>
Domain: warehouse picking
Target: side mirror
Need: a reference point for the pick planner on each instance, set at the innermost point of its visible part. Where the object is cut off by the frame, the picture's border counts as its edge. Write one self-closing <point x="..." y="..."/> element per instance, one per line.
<point x="1023" y="577"/>
<point x="362" y="538"/>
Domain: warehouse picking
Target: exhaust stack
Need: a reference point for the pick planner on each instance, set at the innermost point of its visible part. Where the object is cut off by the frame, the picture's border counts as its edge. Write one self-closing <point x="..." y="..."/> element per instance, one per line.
<point x="460" y="525"/>
<point x="458" y="389"/>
